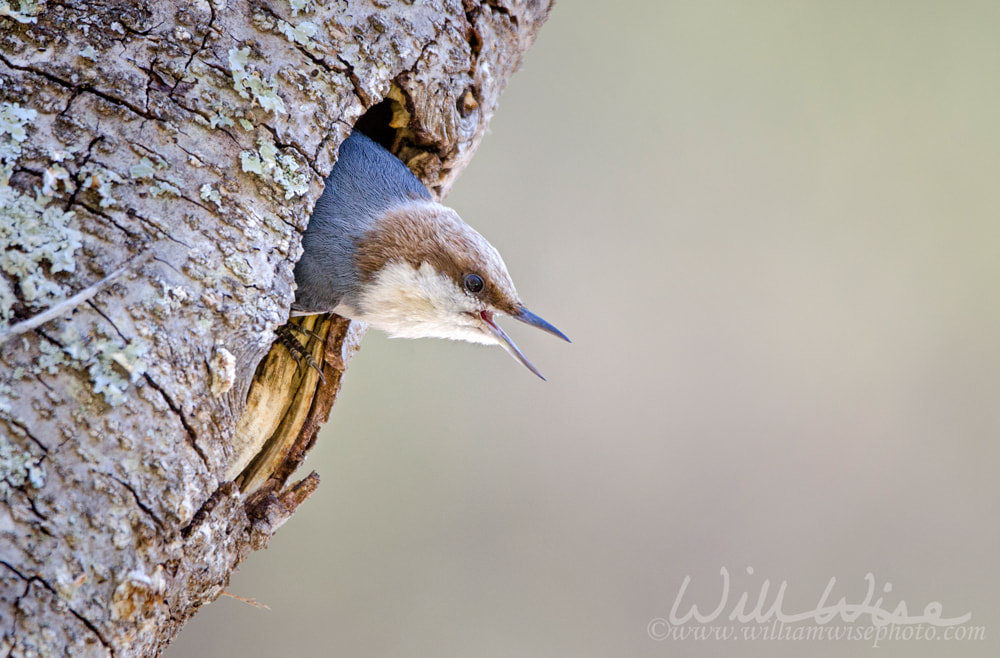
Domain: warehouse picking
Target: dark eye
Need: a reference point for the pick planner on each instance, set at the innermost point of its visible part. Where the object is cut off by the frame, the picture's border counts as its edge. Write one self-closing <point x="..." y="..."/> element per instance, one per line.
<point x="473" y="283"/>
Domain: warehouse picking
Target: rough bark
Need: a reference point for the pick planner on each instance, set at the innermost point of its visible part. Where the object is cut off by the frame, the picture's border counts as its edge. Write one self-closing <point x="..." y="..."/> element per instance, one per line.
<point x="158" y="162"/>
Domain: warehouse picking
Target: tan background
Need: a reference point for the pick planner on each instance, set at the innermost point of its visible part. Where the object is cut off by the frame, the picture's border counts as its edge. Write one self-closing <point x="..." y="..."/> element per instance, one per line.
<point x="773" y="231"/>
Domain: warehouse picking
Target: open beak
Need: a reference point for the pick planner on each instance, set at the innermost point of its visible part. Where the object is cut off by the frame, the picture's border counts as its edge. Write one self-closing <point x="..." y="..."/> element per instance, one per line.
<point x="527" y="317"/>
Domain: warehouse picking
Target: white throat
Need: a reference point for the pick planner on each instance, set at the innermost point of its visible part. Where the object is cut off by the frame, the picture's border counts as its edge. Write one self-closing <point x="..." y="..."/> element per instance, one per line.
<point x="407" y="302"/>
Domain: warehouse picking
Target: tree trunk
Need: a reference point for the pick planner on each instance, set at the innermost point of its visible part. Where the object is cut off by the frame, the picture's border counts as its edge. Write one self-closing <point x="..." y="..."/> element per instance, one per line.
<point x="158" y="162"/>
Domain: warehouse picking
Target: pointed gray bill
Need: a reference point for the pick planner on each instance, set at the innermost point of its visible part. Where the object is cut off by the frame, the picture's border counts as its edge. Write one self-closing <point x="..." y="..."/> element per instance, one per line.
<point x="505" y="342"/>
<point x="527" y="317"/>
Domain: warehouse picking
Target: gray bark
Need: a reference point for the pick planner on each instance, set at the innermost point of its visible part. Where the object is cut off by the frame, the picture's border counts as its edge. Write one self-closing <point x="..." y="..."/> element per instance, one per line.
<point x="157" y="164"/>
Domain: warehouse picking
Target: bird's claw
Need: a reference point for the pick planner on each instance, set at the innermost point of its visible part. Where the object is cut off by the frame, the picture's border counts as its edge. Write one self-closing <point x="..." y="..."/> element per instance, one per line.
<point x="298" y="351"/>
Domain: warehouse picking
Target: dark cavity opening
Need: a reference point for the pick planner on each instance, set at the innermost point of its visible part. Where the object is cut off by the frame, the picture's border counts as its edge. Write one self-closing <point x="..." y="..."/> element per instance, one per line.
<point x="375" y="124"/>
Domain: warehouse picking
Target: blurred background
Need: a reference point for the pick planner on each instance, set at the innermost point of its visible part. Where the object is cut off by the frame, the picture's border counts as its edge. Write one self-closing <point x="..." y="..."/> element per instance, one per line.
<point x="772" y="231"/>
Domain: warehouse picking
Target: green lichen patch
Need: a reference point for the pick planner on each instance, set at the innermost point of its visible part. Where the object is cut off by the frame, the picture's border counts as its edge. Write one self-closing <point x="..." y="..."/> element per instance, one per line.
<point x="111" y="366"/>
<point x="209" y="193"/>
<point x="164" y="187"/>
<point x="112" y="381"/>
<point x="103" y="181"/>
<point x="55" y="176"/>
<point x="7" y="301"/>
<point x="300" y="5"/>
<point x="19" y="467"/>
<point x="144" y="169"/>
<point x="238" y="265"/>
<point x="250" y="84"/>
<point x="220" y="119"/>
<point x="8" y="394"/>
<point x="40" y="240"/>
<point x="270" y="164"/>
<point x="301" y="34"/>
<point x="26" y="11"/>
<point x="111" y="363"/>
<point x="14" y="120"/>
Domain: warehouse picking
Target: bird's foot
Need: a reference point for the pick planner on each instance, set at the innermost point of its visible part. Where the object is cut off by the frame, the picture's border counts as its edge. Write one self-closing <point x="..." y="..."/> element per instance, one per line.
<point x="298" y="351"/>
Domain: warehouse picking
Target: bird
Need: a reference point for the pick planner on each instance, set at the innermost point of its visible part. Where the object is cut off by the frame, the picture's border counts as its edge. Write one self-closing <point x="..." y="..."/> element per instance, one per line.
<point x="379" y="249"/>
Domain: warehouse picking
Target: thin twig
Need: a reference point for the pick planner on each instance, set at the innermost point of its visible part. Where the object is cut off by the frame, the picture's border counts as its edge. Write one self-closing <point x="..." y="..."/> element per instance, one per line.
<point x="242" y="599"/>
<point x="68" y="304"/>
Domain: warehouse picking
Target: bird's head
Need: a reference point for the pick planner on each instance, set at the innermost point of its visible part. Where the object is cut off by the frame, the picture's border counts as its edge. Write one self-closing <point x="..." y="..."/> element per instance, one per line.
<point x="426" y="273"/>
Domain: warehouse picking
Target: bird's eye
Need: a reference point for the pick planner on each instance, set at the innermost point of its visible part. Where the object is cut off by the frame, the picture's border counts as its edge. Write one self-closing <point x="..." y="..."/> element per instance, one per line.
<point x="473" y="283"/>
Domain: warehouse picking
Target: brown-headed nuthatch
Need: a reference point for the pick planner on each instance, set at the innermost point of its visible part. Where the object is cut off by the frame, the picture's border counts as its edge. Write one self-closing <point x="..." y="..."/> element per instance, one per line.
<point x="379" y="249"/>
